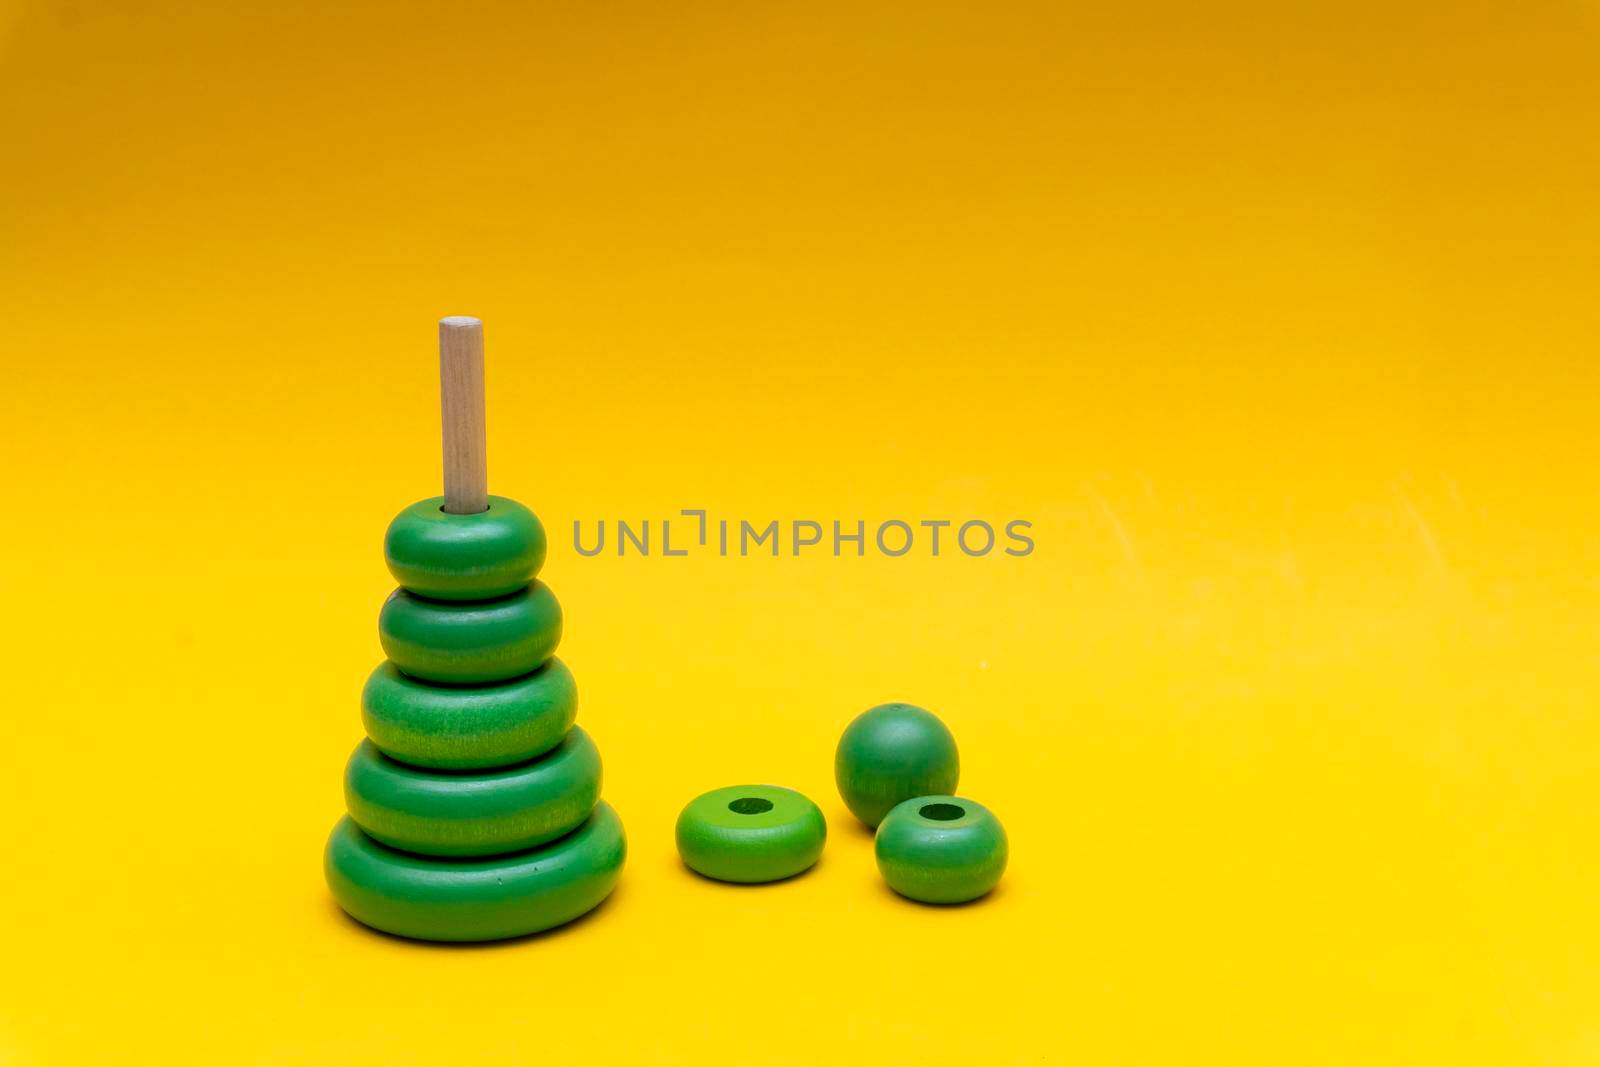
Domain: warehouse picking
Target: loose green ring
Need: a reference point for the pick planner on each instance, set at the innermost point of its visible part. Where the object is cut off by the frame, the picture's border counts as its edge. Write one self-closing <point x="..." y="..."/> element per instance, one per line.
<point x="464" y="557"/>
<point x="458" y="728"/>
<point x="484" y="813"/>
<point x="475" y="899"/>
<point x="458" y="642"/>
<point x="751" y="833"/>
<point x="941" y="849"/>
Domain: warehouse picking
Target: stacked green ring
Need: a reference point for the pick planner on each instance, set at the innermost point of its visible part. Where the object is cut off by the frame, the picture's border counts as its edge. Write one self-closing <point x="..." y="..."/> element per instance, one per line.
<point x="751" y="833"/>
<point x="439" y="813"/>
<point x="468" y="727"/>
<point x="464" y="557"/>
<point x="456" y="642"/>
<point x="475" y="899"/>
<point x="941" y="849"/>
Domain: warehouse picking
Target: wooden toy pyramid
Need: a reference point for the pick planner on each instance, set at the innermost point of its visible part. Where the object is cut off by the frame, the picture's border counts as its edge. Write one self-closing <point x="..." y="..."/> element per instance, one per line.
<point x="474" y="808"/>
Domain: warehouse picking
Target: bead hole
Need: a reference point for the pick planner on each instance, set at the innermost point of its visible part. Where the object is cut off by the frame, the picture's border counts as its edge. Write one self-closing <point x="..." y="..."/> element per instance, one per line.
<point x="750" y="806"/>
<point x="941" y="812"/>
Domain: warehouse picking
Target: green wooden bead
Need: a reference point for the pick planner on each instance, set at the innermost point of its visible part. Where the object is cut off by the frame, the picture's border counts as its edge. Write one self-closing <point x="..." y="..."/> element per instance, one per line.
<point x="475" y="899"/>
<point x="458" y="642"/>
<point x="468" y="727"/>
<point x="751" y="833"/>
<point x="891" y="753"/>
<point x="941" y="849"/>
<point x="479" y="813"/>
<point x="464" y="557"/>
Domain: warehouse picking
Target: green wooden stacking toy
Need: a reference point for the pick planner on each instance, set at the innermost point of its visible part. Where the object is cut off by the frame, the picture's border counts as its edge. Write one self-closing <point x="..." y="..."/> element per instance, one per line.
<point x="474" y="808"/>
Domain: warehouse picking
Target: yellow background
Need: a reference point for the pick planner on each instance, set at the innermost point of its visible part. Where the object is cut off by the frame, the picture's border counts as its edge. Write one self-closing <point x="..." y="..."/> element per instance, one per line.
<point x="1277" y="320"/>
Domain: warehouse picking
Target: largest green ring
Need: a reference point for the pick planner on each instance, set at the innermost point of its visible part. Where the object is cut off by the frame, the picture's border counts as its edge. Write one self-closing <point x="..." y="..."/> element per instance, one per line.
<point x="460" y="728"/>
<point x="475" y="900"/>
<point x="464" y="557"/>
<point x="485" y="813"/>
<point x="469" y="642"/>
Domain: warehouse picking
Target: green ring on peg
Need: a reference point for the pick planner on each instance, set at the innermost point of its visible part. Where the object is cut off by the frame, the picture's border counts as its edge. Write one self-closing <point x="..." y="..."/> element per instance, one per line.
<point x="751" y="833"/>
<point x="941" y="849"/>
<point x="463" y="728"/>
<point x="470" y="642"/>
<point x="475" y="899"/>
<point x="464" y="557"/>
<point x="474" y="813"/>
<point x="891" y="753"/>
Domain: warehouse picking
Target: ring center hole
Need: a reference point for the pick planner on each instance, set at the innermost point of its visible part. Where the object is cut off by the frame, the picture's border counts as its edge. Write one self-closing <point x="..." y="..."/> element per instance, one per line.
<point x="750" y="806"/>
<point x="941" y="812"/>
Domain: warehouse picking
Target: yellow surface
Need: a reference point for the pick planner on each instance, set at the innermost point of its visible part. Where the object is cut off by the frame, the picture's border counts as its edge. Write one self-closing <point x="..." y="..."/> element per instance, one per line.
<point x="1277" y="320"/>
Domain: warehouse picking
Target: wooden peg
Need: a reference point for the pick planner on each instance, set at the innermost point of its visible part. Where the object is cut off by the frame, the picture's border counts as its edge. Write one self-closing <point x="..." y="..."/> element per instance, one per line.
<point x="466" y="462"/>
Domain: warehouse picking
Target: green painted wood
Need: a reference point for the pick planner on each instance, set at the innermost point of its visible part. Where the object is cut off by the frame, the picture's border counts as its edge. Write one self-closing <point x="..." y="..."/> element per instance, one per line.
<point x="475" y="899"/>
<point x="751" y="833"/>
<point x="891" y="753"/>
<point x="456" y="642"/>
<point x="941" y="849"/>
<point x="473" y="813"/>
<point x="464" y="557"/>
<point x="468" y="727"/>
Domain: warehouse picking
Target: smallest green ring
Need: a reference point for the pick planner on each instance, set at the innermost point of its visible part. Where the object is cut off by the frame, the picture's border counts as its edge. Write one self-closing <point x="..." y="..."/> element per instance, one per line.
<point x="751" y="833"/>
<point x="464" y="557"/>
<point x="941" y="849"/>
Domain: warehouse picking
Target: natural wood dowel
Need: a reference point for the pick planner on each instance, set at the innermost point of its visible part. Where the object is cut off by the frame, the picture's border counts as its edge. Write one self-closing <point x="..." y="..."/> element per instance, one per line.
<point x="466" y="461"/>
